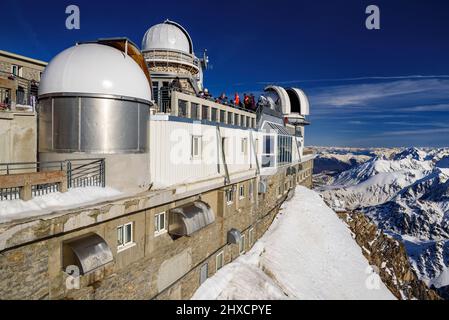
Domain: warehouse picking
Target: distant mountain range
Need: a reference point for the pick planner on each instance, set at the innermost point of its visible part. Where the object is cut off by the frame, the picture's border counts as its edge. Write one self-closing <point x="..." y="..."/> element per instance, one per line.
<point x="404" y="191"/>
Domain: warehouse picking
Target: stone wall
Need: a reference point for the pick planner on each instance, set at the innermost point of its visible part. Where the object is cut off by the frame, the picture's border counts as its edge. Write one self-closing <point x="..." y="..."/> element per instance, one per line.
<point x="155" y="266"/>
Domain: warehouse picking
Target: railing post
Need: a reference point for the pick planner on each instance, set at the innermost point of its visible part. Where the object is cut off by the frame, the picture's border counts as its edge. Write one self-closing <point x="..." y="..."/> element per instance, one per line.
<point x="103" y="173"/>
<point x="69" y="174"/>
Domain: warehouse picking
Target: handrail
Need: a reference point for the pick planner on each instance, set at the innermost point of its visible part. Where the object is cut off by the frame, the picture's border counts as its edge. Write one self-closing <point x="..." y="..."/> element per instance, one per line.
<point x="77" y="173"/>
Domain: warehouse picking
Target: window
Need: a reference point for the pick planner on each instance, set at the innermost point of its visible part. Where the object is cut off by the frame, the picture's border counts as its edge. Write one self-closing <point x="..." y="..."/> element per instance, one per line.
<point x="242" y="192"/>
<point x="205" y="113"/>
<point x="214" y="114"/>
<point x="204" y="273"/>
<point x="248" y="122"/>
<point x="194" y="111"/>
<point x="156" y="91"/>
<point x="244" y="146"/>
<point x="16" y="70"/>
<point x="219" y="261"/>
<point x="236" y="119"/>
<point x="230" y="117"/>
<point x="229" y="196"/>
<point x="222" y="116"/>
<point x="268" y="154"/>
<point x="251" y="236"/>
<point x="196" y="147"/>
<point x="160" y="223"/>
<point x="242" y="120"/>
<point x="124" y="235"/>
<point x="242" y="244"/>
<point x="284" y="149"/>
<point x="182" y="108"/>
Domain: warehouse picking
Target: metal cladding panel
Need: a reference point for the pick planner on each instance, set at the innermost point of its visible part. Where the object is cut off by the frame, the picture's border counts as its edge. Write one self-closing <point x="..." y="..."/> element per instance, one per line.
<point x="66" y="124"/>
<point x="91" y="252"/>
<point x="93" y="125"/>
<point x="191" y="218"/>
<point x="234" y="236"/>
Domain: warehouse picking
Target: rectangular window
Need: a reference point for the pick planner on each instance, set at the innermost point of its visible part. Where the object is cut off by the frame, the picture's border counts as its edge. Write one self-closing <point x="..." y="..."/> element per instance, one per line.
<point x="214" y="115"/>
<point x="242" y="192"/>
<point x="251" y="236"/>
<point x="242" y="244"/>
<point x="196" y="147"/>
<point x="160" y="223"/>
<point x="205" y="113"/>
<point x="230" y="117"/>
<point x="222" y="116"/>
<point x="244" y="146"/>
<point x="16" y="70"/>
<point x="219" y="261"/>
<point x="156" y="91"/>
<point x="236" y="119"/>
<point x="194" y="111"/>
<point x="182" y="108"/>
<point x="248" y="122"/>
<point x="229" y="196"/>
<point x="204" y="273"/>
<point x="124" y="235"/>
<point x="268" y="154"/>
<point x="242" y="120"/>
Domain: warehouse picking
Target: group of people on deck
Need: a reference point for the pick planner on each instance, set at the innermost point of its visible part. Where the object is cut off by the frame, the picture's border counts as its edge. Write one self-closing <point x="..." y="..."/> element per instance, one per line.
<point x="248" y="101"/>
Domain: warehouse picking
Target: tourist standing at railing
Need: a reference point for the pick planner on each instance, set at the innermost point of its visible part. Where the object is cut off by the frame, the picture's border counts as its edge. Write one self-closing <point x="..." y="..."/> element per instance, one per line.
<point x="237" y="99"/>
<point x="246" y="101"/>
<point x="252" y="100"/>
<point x="223" y="98"/>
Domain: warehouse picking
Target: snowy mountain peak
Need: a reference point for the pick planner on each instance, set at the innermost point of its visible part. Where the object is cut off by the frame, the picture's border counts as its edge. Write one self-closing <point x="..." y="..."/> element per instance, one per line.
<point x="411" y="153"/>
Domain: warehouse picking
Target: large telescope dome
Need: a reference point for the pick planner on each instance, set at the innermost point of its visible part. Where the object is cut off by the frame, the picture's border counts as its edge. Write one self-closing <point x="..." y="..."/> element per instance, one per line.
<point x="168" y="35"/>
<point x="93" y="68"/>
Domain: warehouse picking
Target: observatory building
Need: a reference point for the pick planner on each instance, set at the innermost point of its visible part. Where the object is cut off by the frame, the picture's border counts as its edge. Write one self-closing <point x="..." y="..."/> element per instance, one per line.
<point x="193" y="181"/>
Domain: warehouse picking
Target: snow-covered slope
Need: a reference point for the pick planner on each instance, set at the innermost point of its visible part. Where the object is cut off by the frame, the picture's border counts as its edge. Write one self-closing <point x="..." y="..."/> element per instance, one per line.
<point x="407" y="195"/>
<point x="307" y="253"/>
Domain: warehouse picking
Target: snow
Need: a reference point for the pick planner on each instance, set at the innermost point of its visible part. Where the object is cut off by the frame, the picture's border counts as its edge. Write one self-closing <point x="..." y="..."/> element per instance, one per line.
<point x="18" y="209"/>
<point x="406" y="193"/>
<point x="307" y="253"/>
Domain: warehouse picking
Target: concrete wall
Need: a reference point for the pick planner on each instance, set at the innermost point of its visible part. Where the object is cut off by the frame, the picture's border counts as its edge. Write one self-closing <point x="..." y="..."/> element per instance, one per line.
<point x="155" y="267"/>
<point x="18" y="137"/>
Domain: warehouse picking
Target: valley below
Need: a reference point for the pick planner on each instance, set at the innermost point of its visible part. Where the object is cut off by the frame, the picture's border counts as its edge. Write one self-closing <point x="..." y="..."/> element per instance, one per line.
<point x="404" y="192"/>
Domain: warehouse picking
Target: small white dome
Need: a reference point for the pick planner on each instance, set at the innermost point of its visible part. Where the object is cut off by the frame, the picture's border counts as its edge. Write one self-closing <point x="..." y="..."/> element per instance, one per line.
<point x="95" y="69"/>
<point x="167" y="35"/>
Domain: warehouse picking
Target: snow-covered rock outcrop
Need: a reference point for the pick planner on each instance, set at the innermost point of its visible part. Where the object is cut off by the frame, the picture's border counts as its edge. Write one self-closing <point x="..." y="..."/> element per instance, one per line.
<point x="407" y="195"/>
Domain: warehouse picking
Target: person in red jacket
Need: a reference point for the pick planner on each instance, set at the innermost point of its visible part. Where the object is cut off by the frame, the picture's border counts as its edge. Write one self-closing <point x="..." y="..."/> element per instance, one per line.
<point x="237" y="99"/>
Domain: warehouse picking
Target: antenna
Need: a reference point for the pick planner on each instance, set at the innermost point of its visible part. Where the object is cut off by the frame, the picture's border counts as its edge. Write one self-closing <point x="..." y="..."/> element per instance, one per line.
<point x="205" y="60"/>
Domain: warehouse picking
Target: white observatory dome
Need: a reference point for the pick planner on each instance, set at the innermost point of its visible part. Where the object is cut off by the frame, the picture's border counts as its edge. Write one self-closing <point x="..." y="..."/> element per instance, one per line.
<point x="95" y="69"/>
<point x="167" y="35"/>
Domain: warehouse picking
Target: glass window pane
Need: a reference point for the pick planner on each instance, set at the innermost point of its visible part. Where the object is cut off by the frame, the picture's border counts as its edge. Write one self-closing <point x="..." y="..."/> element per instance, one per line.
<point x="120" y="236"/>
<point x="162" y="222"/>
<point x="128" y="233"/>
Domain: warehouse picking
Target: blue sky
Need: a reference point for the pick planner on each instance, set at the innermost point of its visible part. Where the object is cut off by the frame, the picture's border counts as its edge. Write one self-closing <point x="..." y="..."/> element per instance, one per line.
<point x="387" y="87"/>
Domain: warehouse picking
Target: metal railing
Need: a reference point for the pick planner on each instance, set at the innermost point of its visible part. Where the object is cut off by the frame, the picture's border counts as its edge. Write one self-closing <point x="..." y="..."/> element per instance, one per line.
<point x="80" y="173"/>
<point x="26" y="92"/>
